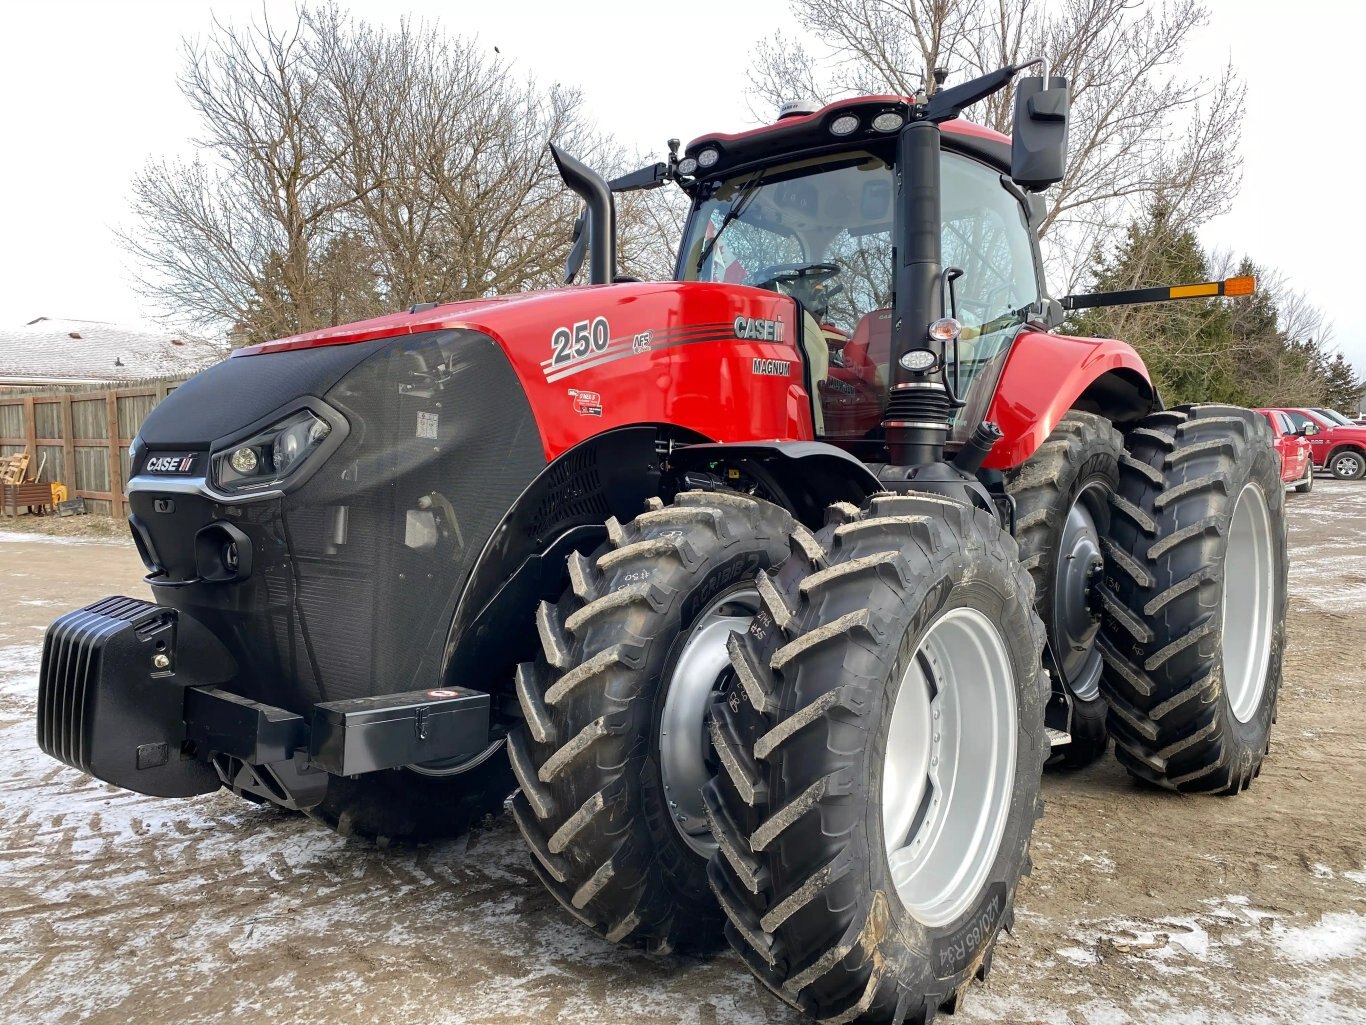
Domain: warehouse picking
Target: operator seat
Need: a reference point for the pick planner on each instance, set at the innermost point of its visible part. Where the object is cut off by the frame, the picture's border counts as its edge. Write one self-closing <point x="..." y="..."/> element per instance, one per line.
<point x="856" y="387"/>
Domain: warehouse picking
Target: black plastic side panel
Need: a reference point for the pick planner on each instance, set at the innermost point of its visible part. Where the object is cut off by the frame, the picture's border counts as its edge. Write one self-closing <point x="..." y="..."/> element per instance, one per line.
<point x="356" y="573"/>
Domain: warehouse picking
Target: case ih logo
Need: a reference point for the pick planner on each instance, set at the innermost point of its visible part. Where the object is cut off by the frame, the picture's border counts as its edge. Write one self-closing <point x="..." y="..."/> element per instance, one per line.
<point x="754" y="330"/>
<point x="170" y="464"/>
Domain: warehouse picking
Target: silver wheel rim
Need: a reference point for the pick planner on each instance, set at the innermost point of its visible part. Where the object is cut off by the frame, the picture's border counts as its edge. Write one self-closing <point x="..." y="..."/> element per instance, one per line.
<point x="1348" y="466"/>
<point x="949" y="771"/>
<point x="1074" y="627"/>
<point x="1249" y="586"/>
<point x="700" y="675"/>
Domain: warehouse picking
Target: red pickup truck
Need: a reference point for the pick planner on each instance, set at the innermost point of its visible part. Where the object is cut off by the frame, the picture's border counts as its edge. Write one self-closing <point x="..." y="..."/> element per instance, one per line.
<point x="1336" y="444"/>
<point x="1297" y="467"/>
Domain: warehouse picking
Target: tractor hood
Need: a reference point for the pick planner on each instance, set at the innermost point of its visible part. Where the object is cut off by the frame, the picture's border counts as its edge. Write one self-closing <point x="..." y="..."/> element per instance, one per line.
<point x="486" y="315"/>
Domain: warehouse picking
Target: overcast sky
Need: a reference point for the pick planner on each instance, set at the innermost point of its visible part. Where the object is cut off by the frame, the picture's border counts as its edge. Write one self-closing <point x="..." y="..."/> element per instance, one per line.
<point x="88" y="93"/>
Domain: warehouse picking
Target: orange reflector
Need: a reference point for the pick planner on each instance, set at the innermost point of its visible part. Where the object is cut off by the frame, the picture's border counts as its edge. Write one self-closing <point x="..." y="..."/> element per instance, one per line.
<point x="1240" y="286"/>
<point x="1194" y="291"/>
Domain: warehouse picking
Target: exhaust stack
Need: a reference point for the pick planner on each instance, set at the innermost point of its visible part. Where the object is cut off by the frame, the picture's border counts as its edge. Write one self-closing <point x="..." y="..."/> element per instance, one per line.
<point x="601" y="227"/>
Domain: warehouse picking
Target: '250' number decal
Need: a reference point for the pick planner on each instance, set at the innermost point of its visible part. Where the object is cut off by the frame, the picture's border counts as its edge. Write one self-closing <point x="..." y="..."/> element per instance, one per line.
<point x="586" y="338"/>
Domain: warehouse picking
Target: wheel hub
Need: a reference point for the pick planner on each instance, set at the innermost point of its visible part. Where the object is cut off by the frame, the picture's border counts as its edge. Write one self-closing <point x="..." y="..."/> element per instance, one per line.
<point x="1076" y="596"/>
<point x="949" y="769"/>
<point x="700" y="676"/>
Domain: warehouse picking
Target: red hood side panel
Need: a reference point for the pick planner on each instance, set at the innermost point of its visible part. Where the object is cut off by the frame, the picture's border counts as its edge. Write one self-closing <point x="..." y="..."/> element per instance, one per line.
<point x="721" y="360"/>
<point x="1044" y="374"/>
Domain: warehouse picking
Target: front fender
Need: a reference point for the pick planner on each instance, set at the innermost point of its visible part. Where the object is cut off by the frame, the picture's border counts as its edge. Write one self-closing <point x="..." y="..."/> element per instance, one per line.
<point x="1045" y="375"/>
<point x="807" y="475"/>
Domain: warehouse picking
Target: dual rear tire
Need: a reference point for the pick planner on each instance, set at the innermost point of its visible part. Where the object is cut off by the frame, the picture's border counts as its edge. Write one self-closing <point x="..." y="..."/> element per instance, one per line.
<point x="1062" y="515"/>
<point x="1194" y="598"/>
<point x="882" y="760"/>
<point x="876" y="733"/>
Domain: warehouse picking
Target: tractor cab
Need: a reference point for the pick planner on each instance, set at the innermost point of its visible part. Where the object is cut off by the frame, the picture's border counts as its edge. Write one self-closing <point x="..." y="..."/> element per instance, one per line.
<point x="905" y="236"/>
<point x="813" y="215"/>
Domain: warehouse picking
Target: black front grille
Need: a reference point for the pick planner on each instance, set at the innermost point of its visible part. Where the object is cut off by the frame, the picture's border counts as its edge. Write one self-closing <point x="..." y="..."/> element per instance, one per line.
<point x="72" y="652"/>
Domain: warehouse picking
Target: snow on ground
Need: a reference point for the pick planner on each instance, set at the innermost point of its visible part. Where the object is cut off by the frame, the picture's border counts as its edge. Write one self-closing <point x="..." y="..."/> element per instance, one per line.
<point x="1142" y="910"/>
<point x="23" y="537"/>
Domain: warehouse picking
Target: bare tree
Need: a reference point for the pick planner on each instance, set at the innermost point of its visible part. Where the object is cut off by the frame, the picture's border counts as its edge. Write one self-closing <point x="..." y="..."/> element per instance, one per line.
<point x="1141" y="129"/>
<point x="345" y="170"/>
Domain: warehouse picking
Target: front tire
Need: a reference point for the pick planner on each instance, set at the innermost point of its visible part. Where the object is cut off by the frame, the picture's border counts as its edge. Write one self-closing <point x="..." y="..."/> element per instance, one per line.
<point x="1347" y="465"/>
<point x="1062" y="503"/>
<point x="1307" y="485"/>
<point x="1194" y="625"/>
<point x="614" y="753"/>
<point x="881" y="762"/>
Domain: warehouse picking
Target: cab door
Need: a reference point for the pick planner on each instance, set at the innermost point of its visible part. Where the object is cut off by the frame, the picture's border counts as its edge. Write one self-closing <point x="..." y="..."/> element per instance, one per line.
<point x="1294" y="448"/>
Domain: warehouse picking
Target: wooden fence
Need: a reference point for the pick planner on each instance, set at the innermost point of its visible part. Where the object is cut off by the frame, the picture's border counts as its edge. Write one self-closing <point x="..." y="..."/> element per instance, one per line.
<point x="81" y="437"/>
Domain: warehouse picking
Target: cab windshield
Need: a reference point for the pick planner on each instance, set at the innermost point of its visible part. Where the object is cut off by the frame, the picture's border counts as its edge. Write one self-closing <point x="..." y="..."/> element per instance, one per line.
<point x="821" y="231"/>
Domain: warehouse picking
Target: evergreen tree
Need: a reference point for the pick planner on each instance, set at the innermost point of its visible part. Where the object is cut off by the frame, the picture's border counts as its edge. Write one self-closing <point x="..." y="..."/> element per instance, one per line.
<point x="1218" y="350"/>
<point x="1187" y="345"/>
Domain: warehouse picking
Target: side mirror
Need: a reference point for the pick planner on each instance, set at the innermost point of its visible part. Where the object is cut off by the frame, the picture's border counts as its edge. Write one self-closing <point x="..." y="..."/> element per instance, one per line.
<point x="1038" y="146"/>
<point x="1309" y="430"/>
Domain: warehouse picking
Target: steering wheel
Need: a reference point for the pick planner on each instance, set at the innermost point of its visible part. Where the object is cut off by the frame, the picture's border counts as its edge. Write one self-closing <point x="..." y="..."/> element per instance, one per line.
<point x="808" y="274"/>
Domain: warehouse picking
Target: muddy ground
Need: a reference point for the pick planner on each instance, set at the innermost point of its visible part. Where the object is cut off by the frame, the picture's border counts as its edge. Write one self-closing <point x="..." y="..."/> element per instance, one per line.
<point x="1143" y="907"/>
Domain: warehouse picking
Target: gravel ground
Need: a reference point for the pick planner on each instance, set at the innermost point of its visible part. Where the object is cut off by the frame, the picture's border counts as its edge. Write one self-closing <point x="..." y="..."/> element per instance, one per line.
<point x="1143" y="907"/>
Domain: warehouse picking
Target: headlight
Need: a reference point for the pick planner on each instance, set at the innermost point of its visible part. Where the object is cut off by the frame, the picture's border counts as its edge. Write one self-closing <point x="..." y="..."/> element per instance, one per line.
<point x="270" y="456"/>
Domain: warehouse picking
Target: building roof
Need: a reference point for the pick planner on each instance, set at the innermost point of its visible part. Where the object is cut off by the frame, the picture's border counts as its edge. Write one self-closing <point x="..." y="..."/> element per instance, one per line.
<point x="50" y="350"/>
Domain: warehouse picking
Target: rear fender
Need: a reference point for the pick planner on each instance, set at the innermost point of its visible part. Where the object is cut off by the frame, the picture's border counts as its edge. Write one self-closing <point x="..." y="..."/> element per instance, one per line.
<point x="1045" y="375"/>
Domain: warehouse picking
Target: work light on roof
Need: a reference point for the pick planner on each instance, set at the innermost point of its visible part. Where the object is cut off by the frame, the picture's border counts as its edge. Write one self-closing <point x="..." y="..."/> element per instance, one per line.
<point x="845" y="124"/>
<point x="708" y="158"/>
<point x="888" y="121"/>
<point x="687" y="165"/>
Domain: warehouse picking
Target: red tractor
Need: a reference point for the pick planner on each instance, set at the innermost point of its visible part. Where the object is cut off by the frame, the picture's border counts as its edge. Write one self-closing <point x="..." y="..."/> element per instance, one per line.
<point x="769" y="589"/>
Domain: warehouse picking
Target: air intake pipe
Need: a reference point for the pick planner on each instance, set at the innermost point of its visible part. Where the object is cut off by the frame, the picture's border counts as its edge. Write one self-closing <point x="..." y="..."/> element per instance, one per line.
<point x="602" y="215"/>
